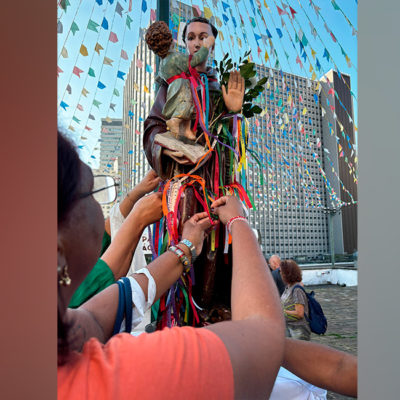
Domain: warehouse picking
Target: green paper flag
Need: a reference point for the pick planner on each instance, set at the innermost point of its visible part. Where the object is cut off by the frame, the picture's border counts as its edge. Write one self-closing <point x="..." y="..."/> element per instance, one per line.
<point x="115" y="92"/>
<point x="128" y="21"/>
<point x="76" y="120"/>
<point x="92" y="25"/>
<point x="175" y="19"/>
<point x="64" y="4"/>
<point x="91" y="72"/>
<point x="335" y="6"/>
<point x="96" y="103"/>
<point x="74" y="28"/>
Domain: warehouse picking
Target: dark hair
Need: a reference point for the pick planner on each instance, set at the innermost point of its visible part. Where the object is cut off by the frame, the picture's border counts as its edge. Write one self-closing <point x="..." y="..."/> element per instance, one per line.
<point x="204" y="21"/>
<point x="159" y="38"/>
<point x="290" y="272"/>
<point x="69" y="174"/>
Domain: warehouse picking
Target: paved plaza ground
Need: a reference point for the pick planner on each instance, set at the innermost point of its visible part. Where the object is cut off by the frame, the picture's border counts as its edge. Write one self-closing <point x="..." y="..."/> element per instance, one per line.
<point x="340" y="308"/>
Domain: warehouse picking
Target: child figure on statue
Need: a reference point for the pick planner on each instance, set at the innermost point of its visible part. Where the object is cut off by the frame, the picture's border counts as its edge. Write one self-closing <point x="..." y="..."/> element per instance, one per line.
<point x="174" y="67"/>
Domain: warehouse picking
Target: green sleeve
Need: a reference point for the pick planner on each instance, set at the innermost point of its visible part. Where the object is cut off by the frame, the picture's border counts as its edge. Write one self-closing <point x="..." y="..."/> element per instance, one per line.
<point x="199" y="57"/>
<point x="177" y="62"/>
<point x="98" y="279"/>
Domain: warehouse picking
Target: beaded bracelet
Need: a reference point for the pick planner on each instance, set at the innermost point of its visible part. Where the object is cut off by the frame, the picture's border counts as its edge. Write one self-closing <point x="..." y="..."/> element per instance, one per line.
<point x="232" y="220"/>
<point x="181" y="255"/>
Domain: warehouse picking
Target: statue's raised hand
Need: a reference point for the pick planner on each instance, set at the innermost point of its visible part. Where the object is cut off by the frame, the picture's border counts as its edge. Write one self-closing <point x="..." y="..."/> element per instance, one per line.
<point x="233" y="98"/>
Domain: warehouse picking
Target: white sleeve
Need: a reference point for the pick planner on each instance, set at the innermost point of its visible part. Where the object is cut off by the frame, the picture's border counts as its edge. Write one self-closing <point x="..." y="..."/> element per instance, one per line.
<point x="140" y="305"/>
<point x="116" y="220"/>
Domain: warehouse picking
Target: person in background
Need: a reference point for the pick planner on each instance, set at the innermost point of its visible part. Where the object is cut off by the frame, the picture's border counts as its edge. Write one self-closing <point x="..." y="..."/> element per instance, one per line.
<point x="275" y="265"/>
<point x="294" y="302"/>
<point x="226" y="360"/>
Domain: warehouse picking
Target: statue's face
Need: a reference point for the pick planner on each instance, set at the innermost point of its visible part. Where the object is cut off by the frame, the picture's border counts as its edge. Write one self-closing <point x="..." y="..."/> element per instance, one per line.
<point x="195" y="34"/>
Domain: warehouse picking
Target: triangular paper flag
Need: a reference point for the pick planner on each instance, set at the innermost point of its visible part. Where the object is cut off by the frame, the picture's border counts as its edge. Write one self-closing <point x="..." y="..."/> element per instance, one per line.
<point x="98" y="47"/>
<point x="83" y="50"/>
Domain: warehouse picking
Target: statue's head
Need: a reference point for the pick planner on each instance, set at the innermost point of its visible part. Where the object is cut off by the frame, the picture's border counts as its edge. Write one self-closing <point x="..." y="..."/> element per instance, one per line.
<point x="212" y="29"/>
<point x="159" y="38"/>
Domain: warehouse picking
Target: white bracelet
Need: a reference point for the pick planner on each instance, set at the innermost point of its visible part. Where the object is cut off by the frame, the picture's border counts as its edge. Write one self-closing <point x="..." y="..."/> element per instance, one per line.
<point x="232" y="220"/>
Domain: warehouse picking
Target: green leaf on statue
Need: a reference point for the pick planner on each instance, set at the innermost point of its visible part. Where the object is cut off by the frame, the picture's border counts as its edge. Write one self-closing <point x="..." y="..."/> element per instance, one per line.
<point x="262" y="81"/>
<point x="256" y="110"/>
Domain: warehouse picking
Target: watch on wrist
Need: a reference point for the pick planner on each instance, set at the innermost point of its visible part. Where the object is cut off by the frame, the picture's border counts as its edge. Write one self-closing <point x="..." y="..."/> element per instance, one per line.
<point x="191" y="247"/>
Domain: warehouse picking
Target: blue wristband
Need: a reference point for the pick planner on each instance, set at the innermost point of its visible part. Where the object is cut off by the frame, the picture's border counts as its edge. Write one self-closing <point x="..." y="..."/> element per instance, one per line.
<point x="121" y="307"/>
<point x="128" y="304"/>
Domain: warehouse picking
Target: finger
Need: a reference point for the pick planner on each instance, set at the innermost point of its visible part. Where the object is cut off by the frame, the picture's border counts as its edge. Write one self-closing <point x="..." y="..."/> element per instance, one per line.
<point x="199" y="216"/>
<point x="234" y="80"/>
<point x="241" y="83"/>
<point x="230" y="81"/>
<point x="204" y="223"/>
<point x="220" y="202"/>
<point x="237" y="79"/>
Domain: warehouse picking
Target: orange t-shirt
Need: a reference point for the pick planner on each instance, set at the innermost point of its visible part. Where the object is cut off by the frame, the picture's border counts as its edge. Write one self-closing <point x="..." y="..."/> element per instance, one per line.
<point x="176" y="363"/>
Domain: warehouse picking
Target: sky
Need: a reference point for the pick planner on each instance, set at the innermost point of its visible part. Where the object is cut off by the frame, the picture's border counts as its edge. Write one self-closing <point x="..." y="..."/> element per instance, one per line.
<point x="115" y="28"/>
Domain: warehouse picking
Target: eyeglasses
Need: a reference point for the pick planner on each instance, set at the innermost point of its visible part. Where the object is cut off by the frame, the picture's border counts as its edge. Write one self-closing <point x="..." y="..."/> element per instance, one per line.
<point x="104" y="189"/>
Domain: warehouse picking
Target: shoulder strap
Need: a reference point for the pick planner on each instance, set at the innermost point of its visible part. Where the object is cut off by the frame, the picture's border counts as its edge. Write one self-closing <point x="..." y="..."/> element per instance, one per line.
<point x="301" y="287"/>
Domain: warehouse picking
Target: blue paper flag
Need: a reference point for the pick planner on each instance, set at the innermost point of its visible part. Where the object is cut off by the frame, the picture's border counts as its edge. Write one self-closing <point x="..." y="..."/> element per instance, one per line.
<point x="111" y="1"/>
<point x="269" y="34"/>
<point x="257" y="37"/>
<point x="144" y="6"/>
<point x="318" y="65"/>
<point x="101" y="85"/>
<point x="104" y="24"/>
<point x="149" y="69"/>
<point x="64" y="105"/>
<point x="225" y="5"/>
<point x="225" y="18"/>
<point x="99" y="2"/>
<point x="279" y="32"/>
<point x="315" y="98"/>
<point x="120" y="75"/>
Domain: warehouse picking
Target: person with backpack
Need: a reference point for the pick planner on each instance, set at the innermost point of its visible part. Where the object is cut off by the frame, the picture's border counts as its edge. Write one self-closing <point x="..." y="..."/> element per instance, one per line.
<point x="294" y="302"/>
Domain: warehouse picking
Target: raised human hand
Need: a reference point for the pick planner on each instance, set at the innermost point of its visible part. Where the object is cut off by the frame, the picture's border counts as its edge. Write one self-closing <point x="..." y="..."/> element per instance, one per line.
<point x="227" y="207"/>
<point x="150" y="181"/>
<point x="195" y="228"/>
<point x="233" y="98"/>
<point x="148" y="209"/>
<point x="177" y="156"/>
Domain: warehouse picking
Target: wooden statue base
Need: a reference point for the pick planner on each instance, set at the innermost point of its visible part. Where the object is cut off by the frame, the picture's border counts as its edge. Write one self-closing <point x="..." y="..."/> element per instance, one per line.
<point x="191" y="150"/>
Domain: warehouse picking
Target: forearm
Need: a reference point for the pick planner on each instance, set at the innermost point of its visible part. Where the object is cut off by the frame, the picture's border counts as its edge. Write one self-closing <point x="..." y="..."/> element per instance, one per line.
<point x="129" y="201"/>
<point x="253" y="290"/>
<point x="297" y="312"/>
<point x="165" y="270"/>
<point x="322" y="366"/>
<point x="119" y="254"/>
